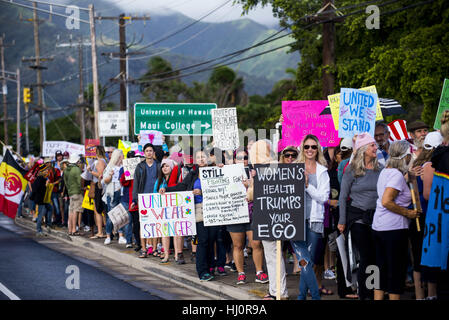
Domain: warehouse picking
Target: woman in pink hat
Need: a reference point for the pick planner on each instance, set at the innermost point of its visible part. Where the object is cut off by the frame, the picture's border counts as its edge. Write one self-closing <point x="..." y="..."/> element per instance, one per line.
<point x="359" y="185"/>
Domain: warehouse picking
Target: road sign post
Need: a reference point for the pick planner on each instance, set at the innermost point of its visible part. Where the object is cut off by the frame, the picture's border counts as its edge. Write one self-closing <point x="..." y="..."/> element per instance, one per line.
<point x="174" y="119"/>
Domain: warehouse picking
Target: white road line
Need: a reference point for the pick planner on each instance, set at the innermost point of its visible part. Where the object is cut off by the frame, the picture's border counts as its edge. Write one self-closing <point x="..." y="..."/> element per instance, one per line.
<point x="8" y="293"/>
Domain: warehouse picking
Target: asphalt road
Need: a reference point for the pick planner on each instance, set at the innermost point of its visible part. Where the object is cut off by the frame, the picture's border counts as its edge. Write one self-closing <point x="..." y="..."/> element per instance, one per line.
<point x="31" y="271"/>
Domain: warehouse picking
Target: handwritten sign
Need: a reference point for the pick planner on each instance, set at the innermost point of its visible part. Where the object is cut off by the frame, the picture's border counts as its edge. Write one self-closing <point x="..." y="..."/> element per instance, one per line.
<point x="91" y="147"/>
<point x="436" y="230"/>
<point x="168" y="215"/>
<point x="129" y="167"/>
<point x="151" y="136"/>
<point x="119" y="216"/>
<point x="278" y="212"/>
<point x="224" y="195"/>
<point x="302" y="118"/>
<point x="334" y="104"/>
<point x="443" y="105"/>
<point x="225" y="128"/>
<point x="49" y="148"/>
<point x="357" y="112"/>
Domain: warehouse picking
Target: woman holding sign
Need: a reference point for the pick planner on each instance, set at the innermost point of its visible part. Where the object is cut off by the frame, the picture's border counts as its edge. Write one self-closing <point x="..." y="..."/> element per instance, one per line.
<point x="310" y="253"/>
<point x="391" y="222"/>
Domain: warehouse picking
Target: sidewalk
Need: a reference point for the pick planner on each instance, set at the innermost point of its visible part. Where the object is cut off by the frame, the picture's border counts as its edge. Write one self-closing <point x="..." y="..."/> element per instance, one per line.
<point x="221" y="287"/>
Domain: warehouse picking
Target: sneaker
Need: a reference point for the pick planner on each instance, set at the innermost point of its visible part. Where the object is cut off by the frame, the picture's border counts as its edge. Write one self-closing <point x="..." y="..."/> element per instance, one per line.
<point x="221" y="271"/>
<point x="241" y="279"/>
<point x="150" y="251"/>
<point x="34" y="219"/>
<point x="86" y="228"/>
<point x="245" y="252"/>
<point x="122" y="240"/>
<point x="129" y="245"/>
<point x="206" y="277"/>
<point x="329" y="275"/>
<point x="262" y="277"/>
<point x="432" y="298"/>
<point x="212" y="271"/>
<point x="107" y="241"/>
<point x="233" y="267"/>
<point x="40" y="234"/>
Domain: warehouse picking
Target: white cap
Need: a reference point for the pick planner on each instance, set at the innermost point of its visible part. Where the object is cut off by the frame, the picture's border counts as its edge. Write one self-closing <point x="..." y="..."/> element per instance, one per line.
<point x="74" y="158"/>
<point x="346" y="144"/>
<point x="433" y="140"/>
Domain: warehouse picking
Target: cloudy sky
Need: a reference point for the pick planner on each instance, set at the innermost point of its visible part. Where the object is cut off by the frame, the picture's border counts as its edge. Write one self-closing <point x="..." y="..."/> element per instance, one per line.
<point x="198" y="8"/>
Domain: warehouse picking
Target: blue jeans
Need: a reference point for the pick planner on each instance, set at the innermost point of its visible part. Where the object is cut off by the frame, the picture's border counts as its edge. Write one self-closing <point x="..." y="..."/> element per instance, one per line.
<point x="44" y="209"/>
<point x="129" y="227"/>
<point x="19" y="209"/>
<point x="55" y="202"/>
<point x="310" y="251"/>
<point x="112" y="203"/>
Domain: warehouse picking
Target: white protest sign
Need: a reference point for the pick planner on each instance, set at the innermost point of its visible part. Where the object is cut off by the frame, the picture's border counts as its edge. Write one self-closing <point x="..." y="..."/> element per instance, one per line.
<point x="119" y="216"/>
<point x="113" y="123"/>
<point x="167" y="215"/>
<point x="49" y="148"/>
<point x="129" y="166"/>
<point x="151" y="136"/>
<point x="225" y="128"/>
<point x="224" y="195"/>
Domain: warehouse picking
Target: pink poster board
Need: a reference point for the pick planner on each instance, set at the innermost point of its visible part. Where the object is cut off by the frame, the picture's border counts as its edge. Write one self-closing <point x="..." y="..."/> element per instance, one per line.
<point x="302" y="118"/>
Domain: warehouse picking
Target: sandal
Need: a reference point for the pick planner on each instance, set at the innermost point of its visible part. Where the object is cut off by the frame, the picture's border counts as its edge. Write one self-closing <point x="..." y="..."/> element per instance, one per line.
<point x="351" y="296"/>
<point x="156" y="254"/>
<point x="269" y="297"/>
<point x="165" y="261"/>
<point x="326" y="292"/>
<point x="143" y="254"/>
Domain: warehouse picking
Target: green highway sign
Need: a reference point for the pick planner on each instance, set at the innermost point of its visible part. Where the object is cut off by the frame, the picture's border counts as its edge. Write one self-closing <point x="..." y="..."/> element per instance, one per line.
<point x="174" y="119"/>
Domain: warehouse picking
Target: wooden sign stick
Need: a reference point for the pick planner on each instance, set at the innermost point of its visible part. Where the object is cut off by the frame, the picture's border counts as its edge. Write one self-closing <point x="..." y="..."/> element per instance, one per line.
<point x="415" y="206"/>
<point x="278" y="269"/>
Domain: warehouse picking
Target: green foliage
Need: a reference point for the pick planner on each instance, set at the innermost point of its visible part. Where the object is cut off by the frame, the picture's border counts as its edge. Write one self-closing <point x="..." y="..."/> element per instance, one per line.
<point x="406" y="58"/>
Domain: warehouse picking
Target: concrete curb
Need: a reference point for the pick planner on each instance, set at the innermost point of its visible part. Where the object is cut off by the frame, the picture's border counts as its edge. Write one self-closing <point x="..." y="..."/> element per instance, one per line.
<point x="213" y="289"/>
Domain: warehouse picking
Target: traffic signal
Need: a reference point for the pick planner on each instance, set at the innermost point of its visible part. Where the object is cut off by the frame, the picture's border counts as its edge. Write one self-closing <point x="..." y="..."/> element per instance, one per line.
<point x="26" y="95"/>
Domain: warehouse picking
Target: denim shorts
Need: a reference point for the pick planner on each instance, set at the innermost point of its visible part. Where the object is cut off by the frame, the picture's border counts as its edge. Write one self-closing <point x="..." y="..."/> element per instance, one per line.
<point x="240" y="227"/>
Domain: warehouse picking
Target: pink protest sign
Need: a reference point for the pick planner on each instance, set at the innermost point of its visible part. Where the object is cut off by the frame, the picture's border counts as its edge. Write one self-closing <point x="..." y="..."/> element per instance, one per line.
<point x="302" y="118"/>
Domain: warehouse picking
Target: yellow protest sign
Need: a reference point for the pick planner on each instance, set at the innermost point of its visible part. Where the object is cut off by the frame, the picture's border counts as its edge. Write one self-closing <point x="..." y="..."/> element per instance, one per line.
<point x="334" y="104"/>
<point x="125" y="146"/>
<point x="88" y="203"/>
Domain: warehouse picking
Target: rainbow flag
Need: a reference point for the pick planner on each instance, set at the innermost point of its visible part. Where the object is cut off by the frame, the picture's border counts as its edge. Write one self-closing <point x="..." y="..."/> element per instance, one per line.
<point x="12" y="185"/>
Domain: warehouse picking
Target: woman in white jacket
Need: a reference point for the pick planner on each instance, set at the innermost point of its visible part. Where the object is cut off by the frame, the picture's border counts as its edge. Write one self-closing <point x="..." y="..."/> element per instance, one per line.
<point x="310" y="253"/>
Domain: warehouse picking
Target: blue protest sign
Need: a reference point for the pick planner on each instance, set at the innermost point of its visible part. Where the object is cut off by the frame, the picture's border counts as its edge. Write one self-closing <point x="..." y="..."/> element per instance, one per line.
<point x="435" y="246"/>
<point x="357" y="112"/>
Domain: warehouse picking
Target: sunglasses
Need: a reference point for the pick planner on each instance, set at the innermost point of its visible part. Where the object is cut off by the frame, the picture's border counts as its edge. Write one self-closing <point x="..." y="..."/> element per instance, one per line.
<point x="290" y="155"/>
<point x="242" y="158"/>
<point x="314" y="147"/>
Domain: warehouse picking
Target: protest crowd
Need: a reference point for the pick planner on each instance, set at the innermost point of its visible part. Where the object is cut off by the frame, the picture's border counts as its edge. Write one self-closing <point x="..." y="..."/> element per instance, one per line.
<point x="359" y="192"/>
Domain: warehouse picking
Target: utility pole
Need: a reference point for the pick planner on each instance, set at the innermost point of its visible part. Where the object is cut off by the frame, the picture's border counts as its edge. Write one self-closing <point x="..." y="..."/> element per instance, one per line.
<point x="4" y="89"/>
<point x="19" y="132"/>
<point x="123" y="54"/>
<point x="96" y="97"/>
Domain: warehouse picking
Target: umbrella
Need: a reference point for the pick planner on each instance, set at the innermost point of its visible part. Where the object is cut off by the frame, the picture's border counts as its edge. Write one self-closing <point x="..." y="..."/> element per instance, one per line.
<point x="388" y="107"/>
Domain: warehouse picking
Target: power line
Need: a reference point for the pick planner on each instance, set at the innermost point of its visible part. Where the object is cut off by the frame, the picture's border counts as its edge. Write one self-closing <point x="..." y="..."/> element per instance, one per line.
<point x="292" y="43"/>
<point x="55" y="4"/>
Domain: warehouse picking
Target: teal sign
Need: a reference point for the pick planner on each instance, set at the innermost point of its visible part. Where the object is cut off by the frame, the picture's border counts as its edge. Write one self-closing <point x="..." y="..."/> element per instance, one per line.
<point x="174" y="119"/>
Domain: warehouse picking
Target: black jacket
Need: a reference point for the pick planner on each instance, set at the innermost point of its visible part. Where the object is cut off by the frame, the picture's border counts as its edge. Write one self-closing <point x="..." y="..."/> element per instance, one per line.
<point x="140" y="175"/>
<point x="187" y="183"/>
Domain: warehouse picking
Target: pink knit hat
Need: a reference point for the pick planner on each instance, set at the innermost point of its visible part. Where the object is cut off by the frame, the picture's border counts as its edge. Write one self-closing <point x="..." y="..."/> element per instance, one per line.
<point x="168" y="162"/>
<point x="363" y="139"/>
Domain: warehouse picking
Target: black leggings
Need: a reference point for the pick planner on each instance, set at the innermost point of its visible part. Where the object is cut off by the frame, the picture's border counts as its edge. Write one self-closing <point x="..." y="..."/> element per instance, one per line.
<point x="136" y="226"/>
<point x="391" y="258"/>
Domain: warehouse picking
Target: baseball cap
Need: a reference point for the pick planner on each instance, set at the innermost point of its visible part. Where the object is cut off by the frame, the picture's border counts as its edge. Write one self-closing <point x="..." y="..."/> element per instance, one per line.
<point x="433" y="140"/>
<point x="346" y="144"/>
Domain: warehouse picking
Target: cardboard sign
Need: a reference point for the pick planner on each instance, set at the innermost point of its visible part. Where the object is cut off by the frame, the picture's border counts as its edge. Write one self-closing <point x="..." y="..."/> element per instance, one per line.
<point x="357" y="112"/>
<point x="91" y="147"/>
<point x="435" y="245"/>
<point x="279" y="197"/>
<point x="151" y="136"/>
<point x="168" y="215"/>
<point x="49" y="148"/>
<point x="224" y="195"/>
<point x="302" y="118"/>
<point x="119" y="216"/>
<point x="443" y="105"/>
<point x="225" y="128"/>
<point x="129" y="167"/>
<point x="334" y="104"/>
